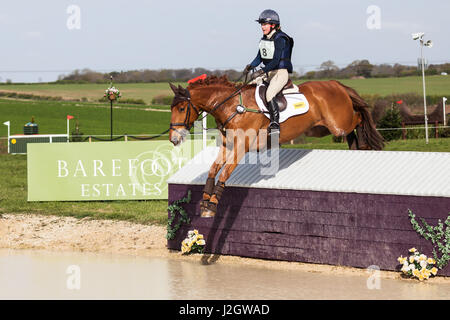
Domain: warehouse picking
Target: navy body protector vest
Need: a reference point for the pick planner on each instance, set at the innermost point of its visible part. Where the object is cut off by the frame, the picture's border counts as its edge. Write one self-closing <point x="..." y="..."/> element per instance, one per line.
<point x="267" y="48"/>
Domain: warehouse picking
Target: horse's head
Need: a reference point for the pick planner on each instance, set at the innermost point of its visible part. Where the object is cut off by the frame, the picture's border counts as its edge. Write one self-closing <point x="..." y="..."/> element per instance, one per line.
<point x="184" y="113"/>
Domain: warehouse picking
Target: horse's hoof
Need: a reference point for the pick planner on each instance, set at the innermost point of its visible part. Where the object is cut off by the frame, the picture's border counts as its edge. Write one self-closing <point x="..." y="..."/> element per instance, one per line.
<point x="207" y="213"/>
<point x="209" y="210"/>
<point x="203" y="204"/>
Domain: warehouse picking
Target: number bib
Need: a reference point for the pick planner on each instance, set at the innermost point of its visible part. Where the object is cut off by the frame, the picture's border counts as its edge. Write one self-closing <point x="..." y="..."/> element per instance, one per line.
<point x="267" y="49"/>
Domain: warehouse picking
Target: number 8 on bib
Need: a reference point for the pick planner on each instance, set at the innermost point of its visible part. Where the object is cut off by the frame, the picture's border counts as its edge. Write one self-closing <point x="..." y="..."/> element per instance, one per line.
<point x="266" y="49"/>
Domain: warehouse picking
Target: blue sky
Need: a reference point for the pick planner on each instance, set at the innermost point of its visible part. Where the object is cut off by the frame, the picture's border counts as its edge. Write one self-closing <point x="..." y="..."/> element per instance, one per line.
<point x="137" y="34"/>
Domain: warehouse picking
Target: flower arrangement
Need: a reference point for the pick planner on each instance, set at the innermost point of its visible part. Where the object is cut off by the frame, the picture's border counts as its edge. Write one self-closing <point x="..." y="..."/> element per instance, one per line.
<point x="173" y="209"/>
<point x="112" y="93"/>
<point x="193" y="243"/>
<point x="438" y="235"/>
<point x="418" y="265"/>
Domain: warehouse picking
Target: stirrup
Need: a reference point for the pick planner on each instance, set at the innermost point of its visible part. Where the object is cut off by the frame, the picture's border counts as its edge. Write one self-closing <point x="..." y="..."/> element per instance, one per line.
<point x="274" y="128"/>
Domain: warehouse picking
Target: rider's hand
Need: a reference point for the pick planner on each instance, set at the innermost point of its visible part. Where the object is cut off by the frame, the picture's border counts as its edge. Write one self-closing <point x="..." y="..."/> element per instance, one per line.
<point x="257" y="74"/>
<point x="247" y="69"/>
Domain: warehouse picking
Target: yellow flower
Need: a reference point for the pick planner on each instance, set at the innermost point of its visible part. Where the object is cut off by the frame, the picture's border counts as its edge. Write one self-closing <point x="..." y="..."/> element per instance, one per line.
<point x="200" y="236"/>
<point x="421" y="277"/>
<point x="412" y="250"/>
<point x="431" y="261"/>
<point x="401" y="259"/>
<point x="416" y="273"/>
<point x="196" y="231"/>
<point x="422" y="257"/>
<point x="184" y="249"/>
<point x="201" y="242"/>
<point x="411" y="259"/>
<point x="434" y="270"/>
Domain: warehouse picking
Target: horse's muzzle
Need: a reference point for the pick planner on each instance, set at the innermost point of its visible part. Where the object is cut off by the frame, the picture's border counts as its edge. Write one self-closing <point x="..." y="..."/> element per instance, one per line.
<point x="178" y="136"/>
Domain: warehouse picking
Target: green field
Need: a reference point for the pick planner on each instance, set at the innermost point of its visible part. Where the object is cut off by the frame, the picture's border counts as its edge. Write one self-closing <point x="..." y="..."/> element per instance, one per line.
<point x="134" y="120"/>
<point x="93" y="92"/>
<point x="94" y="119"/>
<point x="436" y="85"/>
<point x="434" y="145"/>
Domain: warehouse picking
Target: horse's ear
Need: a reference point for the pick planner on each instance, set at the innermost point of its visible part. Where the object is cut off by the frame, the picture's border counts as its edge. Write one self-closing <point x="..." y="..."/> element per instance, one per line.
<point x="183" y="91"/>
<point x="174" y="88"/>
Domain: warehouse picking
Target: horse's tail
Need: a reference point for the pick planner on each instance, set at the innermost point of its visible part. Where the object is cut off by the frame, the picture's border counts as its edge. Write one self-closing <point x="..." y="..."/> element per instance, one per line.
<point x="373" y="138"/>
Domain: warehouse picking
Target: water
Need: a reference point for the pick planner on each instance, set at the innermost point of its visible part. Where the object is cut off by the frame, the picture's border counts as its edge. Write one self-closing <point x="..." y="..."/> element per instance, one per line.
<point x="31" y="274"/>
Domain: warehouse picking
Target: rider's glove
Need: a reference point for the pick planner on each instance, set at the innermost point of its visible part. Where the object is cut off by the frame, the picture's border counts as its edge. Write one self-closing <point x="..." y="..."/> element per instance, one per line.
<point x="257" y="74"/>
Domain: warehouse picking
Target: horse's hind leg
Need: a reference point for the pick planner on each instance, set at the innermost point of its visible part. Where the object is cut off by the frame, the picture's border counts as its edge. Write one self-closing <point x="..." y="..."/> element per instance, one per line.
<point x="352" y="141"/>
<point x="362" y="140"/>
<point x="356" y="141"/>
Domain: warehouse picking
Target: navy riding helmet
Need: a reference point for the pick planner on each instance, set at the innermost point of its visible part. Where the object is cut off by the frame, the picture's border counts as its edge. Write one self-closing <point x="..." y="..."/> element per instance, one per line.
<point x="269" y="16"/>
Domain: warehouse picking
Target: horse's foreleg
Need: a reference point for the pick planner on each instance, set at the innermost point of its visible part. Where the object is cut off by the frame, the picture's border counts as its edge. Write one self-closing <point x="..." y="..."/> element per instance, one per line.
<point x="210" y="181"/>
<point x="233" y="157"/>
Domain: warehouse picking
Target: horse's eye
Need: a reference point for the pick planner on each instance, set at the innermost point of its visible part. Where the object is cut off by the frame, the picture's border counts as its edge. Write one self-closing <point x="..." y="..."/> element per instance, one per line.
<point x="182" y="109"/>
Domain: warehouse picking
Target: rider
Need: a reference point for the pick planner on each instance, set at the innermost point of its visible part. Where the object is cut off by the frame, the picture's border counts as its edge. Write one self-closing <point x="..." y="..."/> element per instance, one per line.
<point x="275" y="50"/>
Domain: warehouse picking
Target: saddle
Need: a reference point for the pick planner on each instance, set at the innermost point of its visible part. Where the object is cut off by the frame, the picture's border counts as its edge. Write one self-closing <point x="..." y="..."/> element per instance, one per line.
<point x="279" y="98"/>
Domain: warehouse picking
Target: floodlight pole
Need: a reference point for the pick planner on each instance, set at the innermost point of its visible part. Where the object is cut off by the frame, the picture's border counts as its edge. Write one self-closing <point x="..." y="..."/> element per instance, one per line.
<point x="424" y="92"/>
<point x="444" y="99"/>
<point x="8" y="123"/>
<point x="111" y="120"/>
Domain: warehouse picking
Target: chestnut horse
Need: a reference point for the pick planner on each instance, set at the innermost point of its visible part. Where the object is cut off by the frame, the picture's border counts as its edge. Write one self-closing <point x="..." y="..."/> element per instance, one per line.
<point x="334" y="108"/>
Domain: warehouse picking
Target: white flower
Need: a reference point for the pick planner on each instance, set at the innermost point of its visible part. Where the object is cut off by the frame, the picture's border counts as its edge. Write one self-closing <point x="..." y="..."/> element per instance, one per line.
<point x="423" y="264"/>
<point x="412" y="267"/>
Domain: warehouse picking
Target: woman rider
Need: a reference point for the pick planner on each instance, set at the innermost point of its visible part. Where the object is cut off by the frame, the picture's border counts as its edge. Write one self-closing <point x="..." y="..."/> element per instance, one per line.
<point x="275" y="50"/>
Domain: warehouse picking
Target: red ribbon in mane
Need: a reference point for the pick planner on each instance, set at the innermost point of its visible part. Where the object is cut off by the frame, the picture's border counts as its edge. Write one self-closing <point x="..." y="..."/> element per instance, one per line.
<point x="202" y="77"/>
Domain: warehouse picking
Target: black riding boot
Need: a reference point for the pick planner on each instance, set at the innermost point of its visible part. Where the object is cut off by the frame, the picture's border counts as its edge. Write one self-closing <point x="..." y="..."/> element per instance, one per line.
<point x="274" y="126"/>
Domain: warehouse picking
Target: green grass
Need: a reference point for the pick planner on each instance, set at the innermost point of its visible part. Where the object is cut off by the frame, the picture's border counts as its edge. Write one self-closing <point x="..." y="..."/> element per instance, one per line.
<point x="326" y="143"/>
<point x="13" y="199"/>
<point x="94" y="119"/>
<point x="436" y="85"/>
<point x="93" y="92"/>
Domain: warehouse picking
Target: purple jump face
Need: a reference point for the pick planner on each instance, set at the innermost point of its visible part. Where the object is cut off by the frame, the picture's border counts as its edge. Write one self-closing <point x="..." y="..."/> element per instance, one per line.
<point x="336" y="228"/>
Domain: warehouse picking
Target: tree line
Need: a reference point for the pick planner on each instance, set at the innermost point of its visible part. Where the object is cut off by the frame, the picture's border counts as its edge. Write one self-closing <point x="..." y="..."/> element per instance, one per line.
<point x="328" y="69"/>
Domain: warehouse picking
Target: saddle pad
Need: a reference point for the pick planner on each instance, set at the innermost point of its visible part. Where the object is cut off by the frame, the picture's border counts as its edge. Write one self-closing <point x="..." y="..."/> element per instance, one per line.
<point x="296" y="104"/>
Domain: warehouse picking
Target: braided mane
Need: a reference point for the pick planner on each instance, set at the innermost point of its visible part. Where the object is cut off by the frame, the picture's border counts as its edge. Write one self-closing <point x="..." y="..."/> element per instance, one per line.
<point x="212" y="81"/>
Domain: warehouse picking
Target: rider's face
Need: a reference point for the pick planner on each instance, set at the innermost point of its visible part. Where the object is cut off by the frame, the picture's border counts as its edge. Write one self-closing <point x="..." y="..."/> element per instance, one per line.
<point x="266" y="28"/>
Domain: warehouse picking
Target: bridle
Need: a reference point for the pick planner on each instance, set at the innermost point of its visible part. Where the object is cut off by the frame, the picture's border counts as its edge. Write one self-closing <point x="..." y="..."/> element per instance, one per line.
<point x="190" y="105"/>
<point x="185" y="124"/>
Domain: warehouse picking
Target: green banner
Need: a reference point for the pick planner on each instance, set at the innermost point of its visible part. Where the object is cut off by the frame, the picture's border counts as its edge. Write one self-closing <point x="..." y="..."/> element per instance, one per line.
<point x="104" y="170"/>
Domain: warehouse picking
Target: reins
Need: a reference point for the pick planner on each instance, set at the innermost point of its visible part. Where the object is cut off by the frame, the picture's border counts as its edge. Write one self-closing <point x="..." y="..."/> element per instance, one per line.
<point x="216" y="107"/>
